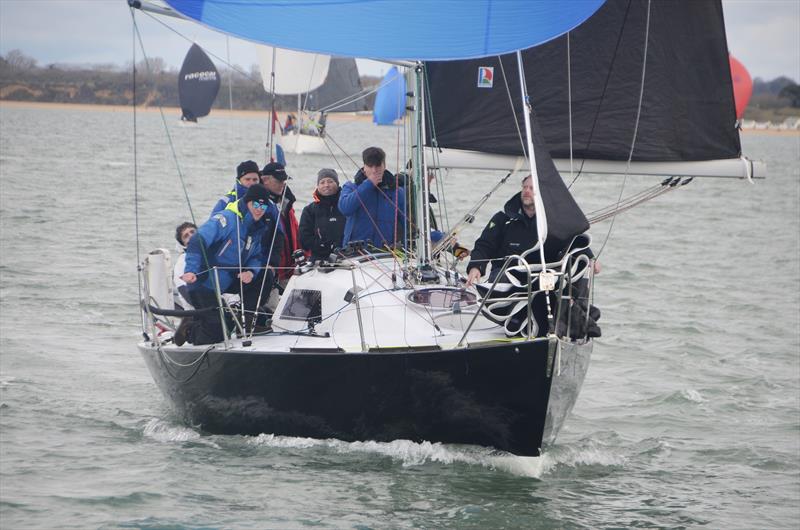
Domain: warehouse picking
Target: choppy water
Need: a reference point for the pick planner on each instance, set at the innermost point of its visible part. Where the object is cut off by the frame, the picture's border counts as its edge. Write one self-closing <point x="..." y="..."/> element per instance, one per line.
<point x="690" y="414"/>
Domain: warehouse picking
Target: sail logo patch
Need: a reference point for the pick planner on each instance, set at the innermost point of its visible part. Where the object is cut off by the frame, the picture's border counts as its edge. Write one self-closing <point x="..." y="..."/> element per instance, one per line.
<point x="485" y="76"/>
<point x="201" y="76"/>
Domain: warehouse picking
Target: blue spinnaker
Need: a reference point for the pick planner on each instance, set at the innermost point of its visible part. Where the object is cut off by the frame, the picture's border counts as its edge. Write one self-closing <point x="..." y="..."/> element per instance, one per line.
<point x="393" y="29"/>
<point x="391" y="98"/>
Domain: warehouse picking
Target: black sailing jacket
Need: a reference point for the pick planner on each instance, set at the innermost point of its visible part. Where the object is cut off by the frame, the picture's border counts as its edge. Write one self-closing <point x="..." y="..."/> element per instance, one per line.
<point x="512" y="232"/>
<point x="322" y="226"/>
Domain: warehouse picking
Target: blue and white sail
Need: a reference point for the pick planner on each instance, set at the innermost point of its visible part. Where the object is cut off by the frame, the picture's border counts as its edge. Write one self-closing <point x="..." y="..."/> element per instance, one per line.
<point x="390" y="101"/>
<point x="441" y="30"/>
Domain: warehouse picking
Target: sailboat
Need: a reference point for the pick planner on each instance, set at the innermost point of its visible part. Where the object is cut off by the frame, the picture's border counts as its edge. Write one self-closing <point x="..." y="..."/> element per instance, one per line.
<point x="198" y="85"/>
<point x="322" y="84"/>
<point x="377" y="344"/>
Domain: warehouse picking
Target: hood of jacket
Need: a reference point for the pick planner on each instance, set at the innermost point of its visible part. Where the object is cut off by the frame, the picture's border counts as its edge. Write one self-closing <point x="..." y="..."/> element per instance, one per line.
<point x="513" y="208"/>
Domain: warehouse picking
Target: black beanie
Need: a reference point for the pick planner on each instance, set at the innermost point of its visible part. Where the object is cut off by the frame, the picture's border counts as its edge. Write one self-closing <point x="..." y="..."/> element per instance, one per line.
<point x="248" y="166"/>
<point x="256" y="192"/>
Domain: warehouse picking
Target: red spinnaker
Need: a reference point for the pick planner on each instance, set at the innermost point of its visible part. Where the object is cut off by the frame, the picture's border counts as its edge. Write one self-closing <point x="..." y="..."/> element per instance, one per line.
<point x="742" y="86"/>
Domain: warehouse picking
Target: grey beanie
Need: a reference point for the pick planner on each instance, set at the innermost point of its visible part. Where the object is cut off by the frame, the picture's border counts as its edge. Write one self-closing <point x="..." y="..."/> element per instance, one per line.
<point x="329" y="174"/>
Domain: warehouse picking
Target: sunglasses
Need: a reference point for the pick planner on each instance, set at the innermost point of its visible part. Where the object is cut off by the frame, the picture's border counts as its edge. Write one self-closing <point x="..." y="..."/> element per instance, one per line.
<point x="264" y="206"/>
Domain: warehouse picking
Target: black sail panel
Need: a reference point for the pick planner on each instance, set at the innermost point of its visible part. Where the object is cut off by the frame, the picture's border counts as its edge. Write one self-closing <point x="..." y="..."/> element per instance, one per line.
<point x="341" y="83"/>
<point x="565" y="219"/>
<point x="687" y="111"/>
<point x="198" y="84"/>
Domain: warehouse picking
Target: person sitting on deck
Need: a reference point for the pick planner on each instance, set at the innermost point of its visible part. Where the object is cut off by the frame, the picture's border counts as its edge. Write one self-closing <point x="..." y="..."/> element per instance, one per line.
<point x="183" y="233"/>
<point x="289" y="123"/>
<point x="231" y="241"/>
<point x="513" y="231"/>
<point x="374" y="203"/>
<point x="321" y="223"/>
<point x="246" y="175"/>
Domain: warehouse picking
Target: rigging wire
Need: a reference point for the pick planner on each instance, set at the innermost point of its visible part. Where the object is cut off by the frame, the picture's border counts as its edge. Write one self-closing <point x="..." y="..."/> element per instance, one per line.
<point x="513" y="110"/>
<point x="605" y="87"/>
<point x="138" y="36"/>
<point x="136" y="172"/>
<point x="635" y="127"/>
<point x="166" y="129"/>
<point x="441" y="197"/>
<point x="230" y="74"/>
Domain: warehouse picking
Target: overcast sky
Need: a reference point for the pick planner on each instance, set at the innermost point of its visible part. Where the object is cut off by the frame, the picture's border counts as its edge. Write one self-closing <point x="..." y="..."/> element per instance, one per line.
<point x="763" y="34"/>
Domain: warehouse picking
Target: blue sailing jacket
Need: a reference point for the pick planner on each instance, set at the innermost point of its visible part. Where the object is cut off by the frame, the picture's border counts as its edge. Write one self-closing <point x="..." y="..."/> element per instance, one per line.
<point x="366" y="206"/>
<point x="229" y="238"/>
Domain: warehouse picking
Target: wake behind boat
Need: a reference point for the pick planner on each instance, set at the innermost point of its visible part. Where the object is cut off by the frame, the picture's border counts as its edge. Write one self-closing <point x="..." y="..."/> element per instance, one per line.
<point x="383" y="344"/>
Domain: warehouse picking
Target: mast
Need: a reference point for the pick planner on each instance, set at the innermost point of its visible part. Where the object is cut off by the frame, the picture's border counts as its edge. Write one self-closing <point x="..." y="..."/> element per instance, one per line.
<point x="271" y="128"/>
<point x="422" y="197"/>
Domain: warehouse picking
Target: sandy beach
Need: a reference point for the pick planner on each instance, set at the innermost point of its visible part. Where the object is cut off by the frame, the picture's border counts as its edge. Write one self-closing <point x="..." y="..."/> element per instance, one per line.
<point x="343" y="116"/>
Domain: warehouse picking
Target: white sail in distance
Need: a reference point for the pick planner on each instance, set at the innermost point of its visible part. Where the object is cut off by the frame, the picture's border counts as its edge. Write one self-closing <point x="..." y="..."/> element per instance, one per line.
<point x="295" y="72"/>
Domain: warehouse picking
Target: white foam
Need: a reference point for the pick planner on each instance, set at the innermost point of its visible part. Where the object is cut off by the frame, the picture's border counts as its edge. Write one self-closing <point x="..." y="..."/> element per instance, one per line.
<point x="7" y="381"/>
<point x="692" y="395"/>
<point x="162" y="431"/>
<point x="591" y="454"/>
<point x="411" y="454"/>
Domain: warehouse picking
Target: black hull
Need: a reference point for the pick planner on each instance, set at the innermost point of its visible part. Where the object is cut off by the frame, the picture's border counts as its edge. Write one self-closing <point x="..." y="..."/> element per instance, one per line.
<point x="496" y="396"/>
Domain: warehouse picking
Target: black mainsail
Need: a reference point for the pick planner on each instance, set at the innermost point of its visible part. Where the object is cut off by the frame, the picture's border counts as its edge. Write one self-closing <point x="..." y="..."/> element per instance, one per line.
<point x="198" y="84"/>
<point x="687" y="109"/>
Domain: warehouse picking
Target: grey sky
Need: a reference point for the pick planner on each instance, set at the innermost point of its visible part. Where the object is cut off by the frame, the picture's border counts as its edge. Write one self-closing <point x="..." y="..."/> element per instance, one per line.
<point x="763" y="34"/>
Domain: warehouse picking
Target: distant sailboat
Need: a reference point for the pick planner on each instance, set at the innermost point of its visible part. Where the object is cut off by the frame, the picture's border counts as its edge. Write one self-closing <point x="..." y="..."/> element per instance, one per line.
<point x="322" y="84"/>
<point x="390" y="102"/>
<point x="198" y="85"/>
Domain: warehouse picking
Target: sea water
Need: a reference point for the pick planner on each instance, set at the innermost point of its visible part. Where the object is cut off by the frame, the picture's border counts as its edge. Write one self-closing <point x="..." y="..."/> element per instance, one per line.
<point x="689" y="416"/>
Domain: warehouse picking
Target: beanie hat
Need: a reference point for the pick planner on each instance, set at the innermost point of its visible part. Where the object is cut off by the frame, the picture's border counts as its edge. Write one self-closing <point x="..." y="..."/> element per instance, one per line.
<point x="275" y="169"/>
<point x="328" y="173"/>
<point x="258" y="193"/>
<point x="248" y="166"/>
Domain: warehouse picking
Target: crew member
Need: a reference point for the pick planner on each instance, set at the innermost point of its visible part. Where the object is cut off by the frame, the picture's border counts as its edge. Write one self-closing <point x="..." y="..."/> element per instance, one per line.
<point x="321" y="223"/>
<point x="231" y="241"/>
<point x="246" y="176"/>
<point x="374" y="203"/>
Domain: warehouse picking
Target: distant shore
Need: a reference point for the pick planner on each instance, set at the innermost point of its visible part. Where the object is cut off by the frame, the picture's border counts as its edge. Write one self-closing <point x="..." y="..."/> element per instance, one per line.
<point x="345" y="116"/>
<point x="173" y="111"/>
